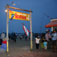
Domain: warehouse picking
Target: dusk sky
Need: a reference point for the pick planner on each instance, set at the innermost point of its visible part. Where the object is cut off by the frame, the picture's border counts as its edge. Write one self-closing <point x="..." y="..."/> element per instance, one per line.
<point x="43" y="12"/>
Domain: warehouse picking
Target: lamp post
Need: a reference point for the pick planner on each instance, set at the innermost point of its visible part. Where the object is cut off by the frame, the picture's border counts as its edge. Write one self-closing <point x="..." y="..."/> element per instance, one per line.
<point x="7" y="27"/>
<point x="7" y="36"/>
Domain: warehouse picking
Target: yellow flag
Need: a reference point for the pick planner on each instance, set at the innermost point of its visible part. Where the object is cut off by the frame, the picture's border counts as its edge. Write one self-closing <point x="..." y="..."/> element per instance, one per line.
<point x="19" y="15"/>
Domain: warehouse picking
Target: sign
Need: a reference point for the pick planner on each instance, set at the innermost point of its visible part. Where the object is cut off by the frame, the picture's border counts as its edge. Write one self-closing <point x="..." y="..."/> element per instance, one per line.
<point x="19" y="15"/>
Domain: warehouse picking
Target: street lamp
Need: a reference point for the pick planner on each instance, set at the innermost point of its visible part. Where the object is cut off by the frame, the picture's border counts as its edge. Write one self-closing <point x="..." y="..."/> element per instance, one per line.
<point x="6" y="10"/>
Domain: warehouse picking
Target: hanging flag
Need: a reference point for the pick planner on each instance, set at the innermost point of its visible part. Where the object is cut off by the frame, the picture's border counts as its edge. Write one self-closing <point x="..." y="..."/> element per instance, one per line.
<point x="19" y="15"/>
<point x="26" y="30"/>
<point x="12" y="15"/>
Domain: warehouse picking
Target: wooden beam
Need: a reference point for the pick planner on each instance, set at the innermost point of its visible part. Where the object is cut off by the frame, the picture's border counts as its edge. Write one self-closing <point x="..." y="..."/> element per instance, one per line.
<point x="7" y="6"/>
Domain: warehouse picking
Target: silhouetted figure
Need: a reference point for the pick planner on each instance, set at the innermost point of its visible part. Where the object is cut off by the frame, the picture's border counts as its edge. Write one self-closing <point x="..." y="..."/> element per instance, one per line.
<point x="1" y="41"/>
<point x="14" y="36"/>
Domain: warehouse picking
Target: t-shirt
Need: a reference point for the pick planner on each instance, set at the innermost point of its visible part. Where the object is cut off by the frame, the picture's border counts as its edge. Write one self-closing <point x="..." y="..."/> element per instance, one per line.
<point x="54" y="36"/>
<point x="37" y="40"/>
<point x="47" y="36"/>
<point x="45" y="44"/>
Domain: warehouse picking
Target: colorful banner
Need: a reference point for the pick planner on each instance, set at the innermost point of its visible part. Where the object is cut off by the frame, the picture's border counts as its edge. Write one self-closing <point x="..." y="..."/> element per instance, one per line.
<point x="18" y="15"/>
<point x="26" y="30"/>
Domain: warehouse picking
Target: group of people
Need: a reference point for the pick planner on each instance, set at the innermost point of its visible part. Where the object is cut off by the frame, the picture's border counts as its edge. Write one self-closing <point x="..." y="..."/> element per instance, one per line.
<point x="48" y="41"/>
<point x="13" y="36"/>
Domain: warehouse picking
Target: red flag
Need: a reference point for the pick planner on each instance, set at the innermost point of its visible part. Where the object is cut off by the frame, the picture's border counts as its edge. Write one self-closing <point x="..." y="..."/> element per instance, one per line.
<point x="26" y="30"/>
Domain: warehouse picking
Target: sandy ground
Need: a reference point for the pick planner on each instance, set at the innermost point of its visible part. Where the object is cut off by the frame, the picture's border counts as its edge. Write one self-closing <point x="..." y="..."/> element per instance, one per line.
<point x="22" y="49"/>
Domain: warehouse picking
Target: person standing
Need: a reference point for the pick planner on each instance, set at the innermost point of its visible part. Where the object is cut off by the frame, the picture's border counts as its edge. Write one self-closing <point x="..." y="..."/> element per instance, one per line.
<point x="1" y="38"/>
<point x="48" y="38"/>
<point x="47" y="35"/>
<point x="54" y="38"/>
<point x="1" y="41"/>
<point x="4" y="41"/>
<point x="14" y="36"/>
<point x="37" y="41"/>
<point x="45" y="44"/>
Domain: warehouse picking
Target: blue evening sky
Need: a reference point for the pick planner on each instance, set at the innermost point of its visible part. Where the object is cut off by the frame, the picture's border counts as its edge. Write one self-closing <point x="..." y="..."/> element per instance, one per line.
<point x="43" y="11"/>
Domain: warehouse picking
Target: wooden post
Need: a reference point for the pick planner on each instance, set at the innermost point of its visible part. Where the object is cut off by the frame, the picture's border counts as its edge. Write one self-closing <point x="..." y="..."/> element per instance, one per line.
<point x="31" y="44"/>
<point x="7" y="32"/>
<point x="30" y="25"/>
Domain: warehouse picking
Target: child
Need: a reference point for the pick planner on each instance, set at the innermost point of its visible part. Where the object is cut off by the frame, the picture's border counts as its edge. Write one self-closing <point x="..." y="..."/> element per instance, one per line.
<point x="45" y="44"/>
<point x="37" y="41"/>
<point x="42" y="40"/>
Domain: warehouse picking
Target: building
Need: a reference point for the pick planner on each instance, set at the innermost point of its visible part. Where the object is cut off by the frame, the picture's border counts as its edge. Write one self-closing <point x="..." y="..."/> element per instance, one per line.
<point x="52" y="25"/>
